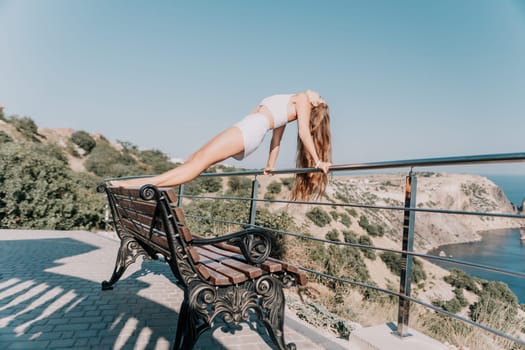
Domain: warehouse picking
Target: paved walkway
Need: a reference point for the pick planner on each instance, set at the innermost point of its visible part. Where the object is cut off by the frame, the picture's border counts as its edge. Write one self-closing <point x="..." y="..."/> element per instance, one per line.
<point x="50" y="298"/>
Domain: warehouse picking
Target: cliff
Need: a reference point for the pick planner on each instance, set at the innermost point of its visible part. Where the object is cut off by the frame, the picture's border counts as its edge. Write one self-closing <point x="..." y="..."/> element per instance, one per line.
<point x="456" y="192"/>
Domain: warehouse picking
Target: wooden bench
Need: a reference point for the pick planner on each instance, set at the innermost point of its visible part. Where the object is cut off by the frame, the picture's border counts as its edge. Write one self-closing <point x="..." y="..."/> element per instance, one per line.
<point x="227" y="278"/>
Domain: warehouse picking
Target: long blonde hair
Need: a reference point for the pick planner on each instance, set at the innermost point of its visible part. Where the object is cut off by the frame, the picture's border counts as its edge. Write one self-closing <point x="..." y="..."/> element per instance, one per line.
<point x="308" y="185"/>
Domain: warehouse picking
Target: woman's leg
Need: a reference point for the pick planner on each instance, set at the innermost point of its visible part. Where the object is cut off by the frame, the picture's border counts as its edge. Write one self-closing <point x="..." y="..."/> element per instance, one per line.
<point x="226" y="144"/>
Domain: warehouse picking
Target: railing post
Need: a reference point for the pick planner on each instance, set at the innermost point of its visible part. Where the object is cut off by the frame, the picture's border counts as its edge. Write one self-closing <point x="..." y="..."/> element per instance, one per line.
<point x="253" y="203"/>
<point x="179" y="197"/>
<point x="403" y="310"/>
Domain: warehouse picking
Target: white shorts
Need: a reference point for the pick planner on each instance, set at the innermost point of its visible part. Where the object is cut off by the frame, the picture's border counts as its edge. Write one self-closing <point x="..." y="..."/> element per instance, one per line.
<point x="253" y="128"/>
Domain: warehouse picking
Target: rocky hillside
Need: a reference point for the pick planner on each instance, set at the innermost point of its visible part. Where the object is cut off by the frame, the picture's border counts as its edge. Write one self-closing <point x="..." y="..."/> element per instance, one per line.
<point x="455" y="192"/>
<point x="60" y="137"/>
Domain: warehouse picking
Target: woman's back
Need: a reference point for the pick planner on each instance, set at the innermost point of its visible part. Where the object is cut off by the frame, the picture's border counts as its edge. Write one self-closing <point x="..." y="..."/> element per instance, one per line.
<point x="278" y="106"/>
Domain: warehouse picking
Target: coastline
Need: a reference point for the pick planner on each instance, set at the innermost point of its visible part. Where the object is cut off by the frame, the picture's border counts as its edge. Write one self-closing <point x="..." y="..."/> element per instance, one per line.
<point x="479" y="237"/>
<point x="500" y="249"/>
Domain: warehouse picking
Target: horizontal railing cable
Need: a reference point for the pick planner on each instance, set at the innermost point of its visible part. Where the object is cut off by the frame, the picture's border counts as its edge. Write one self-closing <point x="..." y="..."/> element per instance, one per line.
<point x="366" y="206"/>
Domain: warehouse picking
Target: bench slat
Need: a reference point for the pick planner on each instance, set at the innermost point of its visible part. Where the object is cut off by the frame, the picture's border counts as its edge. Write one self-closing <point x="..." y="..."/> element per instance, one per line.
<point x="249" y="270"/>
<point x="159" y="243"/>
<point x="185" y="233"/>
<point x="269" y="266"/>
<point x="146" y="208"/>
<point x="135" y="228"/>
<point x="171" y="195"/>
<point x="143" y="219"/>
<point x="233" y="275"/>
<point x="134" y="192"/>
<point x="179" y="215"/>
<point x="216" y="278"/>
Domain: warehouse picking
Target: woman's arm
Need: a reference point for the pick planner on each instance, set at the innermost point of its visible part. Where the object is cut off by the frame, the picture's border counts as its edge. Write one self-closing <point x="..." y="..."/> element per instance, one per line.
<point x="277" y="136"/>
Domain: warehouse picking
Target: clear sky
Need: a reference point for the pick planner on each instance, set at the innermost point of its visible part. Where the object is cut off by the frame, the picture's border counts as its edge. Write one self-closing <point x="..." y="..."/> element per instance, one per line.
<point x="404" y="79"/>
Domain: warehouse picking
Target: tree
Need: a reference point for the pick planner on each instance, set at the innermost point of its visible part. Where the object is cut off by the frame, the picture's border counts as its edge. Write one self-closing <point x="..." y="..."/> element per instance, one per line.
<point x="25" y="125"/>
<point x="83" y="140"/>
<point x="105" y="161"/>
<point x="239" y="186"/>
<point x="4" y="137"/>
<point x="156" y="160"/>
<point x="38" y="191"/>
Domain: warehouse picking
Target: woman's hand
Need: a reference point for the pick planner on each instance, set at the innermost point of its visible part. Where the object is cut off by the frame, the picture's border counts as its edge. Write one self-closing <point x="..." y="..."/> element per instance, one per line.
<point x="324" y="166"/>
<point x="268" y="170"/>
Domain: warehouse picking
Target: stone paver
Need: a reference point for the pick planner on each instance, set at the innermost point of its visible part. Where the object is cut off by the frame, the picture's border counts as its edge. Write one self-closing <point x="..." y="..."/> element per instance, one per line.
<point x="50" y="298"/>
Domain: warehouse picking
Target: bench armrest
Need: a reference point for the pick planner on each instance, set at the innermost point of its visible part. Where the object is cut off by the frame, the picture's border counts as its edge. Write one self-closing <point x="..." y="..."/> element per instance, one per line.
<point x="255" y="243"/>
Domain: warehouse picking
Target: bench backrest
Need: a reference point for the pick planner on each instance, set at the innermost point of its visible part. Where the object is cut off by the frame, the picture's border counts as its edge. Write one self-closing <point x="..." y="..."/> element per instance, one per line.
<point x="151" y="216"/>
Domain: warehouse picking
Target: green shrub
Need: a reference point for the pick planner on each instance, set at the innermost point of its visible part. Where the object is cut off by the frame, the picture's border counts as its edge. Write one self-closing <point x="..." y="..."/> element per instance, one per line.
<point x="25" y="125"/>
<point x="239" y="186"/>
<point x="496" y="296"/>
<point x="211" y="184"/>
<point x="345" y="219"/>
<point x="37" y="191"/>
<point x="156" y="161"/>
<point x="204" y="184"/>
<point x="350" y="236"/>
<point x="319" y="217"/>
<point x="280" y="221"/>
<point x="105" y="161"/>
<point x="129" y="147"/>
<point x="369" y="253"/>
<point x="343" y="262"/>
<point x="351" y="212"/>
<point x="195" y="187"/>
<point x="372" y="229"/>
<point x="332" y="235"/>
<point x="375" y="230"/>
<point x="4" y="137"/>
<point x="393" y="262"/>
<point x="460" y="279"/>
<point x="274" y="187"/>
<point x="455" y="304"/>
<point x="83" y="140"/>
<point x="363" y="222"/>
<point x="334" y="214"/>
<point x="53" y="151"/>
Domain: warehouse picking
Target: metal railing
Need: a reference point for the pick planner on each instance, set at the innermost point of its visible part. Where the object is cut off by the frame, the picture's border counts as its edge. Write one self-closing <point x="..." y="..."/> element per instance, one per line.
<point x="409" y="210"/>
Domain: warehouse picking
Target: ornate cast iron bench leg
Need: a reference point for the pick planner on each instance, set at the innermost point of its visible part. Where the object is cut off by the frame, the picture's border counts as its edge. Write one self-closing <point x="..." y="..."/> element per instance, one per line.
<point x="185" y="338"/>
<point x="128" y="253"/>
<point x="203" y="303"/>
<point x="272" y="303"/>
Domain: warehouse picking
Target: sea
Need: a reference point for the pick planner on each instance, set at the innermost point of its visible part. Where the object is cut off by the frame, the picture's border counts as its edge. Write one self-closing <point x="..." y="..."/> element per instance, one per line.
<point x="500" y="248"/>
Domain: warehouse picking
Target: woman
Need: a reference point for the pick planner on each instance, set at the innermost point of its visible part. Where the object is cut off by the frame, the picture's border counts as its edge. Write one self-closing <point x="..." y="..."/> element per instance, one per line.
<point x="314" y="147"/>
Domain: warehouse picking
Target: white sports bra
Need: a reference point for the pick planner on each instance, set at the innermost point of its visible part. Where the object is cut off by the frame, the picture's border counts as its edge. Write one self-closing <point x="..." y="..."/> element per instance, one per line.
<point x="278" y="106"/>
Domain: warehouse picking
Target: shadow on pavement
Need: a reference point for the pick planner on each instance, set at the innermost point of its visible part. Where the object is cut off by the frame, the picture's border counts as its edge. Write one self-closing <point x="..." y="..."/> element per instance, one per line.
<point x="42" y="309"/>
